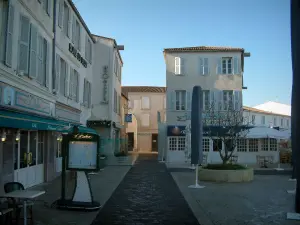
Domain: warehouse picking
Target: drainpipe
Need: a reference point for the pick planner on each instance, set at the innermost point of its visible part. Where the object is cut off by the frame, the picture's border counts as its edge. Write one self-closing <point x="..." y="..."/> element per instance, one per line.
<point x="53" y="45"/>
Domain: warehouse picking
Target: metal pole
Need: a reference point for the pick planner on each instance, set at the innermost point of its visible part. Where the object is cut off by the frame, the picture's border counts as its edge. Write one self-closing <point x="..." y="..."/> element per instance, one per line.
<point x="295" y="37"/>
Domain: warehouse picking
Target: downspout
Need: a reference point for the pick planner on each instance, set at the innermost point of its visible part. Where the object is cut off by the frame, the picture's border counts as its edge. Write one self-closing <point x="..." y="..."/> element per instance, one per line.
<point x="53" y="46"/>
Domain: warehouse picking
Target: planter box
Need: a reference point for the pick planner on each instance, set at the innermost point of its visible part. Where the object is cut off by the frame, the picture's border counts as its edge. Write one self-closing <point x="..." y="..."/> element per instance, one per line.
<point x="230" y="176"/>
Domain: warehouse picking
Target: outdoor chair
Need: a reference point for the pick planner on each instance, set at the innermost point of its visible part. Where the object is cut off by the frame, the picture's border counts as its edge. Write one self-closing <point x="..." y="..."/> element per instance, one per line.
<point x="17" y="204"/>
<point x="5" y="214"/>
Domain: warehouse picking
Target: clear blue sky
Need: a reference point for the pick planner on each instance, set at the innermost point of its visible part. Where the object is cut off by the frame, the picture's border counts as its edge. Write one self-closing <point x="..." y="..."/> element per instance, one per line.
<point x="145" y="28"/>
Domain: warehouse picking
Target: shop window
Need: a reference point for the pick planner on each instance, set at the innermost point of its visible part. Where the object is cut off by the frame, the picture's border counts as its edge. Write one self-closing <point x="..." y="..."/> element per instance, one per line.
<point x="58" y="150"/>
<point x="273" y="144"/>
<point x="176" y="143"/>
<point x="23" y="149"/>
<point x="41" y="143"/>
<point x="264" y="144"/>
<point x="242" y="145"/>
<point x="31" y="155"/>
<point x="253" y="145"/>
<point x="206" y="144"/>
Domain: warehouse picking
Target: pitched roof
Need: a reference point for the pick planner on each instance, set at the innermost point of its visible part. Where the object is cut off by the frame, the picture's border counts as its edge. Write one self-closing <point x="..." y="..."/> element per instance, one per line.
<point x="204" y="49"/>
<point x="127" y="89"/>
<point x="251" y="109"/>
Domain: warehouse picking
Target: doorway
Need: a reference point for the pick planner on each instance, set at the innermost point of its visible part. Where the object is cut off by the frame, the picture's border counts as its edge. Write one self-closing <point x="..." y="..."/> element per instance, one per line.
<point x="130" y="141"/>
<point x="154" y="143"/>
<point x="29" y="155"/>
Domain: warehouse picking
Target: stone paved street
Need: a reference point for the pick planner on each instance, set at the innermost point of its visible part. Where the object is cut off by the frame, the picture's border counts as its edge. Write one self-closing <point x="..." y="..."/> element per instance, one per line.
<point x="147" y="195"/>
<point x="264" y="201"/>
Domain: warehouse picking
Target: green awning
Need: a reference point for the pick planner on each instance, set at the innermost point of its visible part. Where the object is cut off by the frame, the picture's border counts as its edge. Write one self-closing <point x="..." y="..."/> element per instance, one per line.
<point x="25" y="121"/>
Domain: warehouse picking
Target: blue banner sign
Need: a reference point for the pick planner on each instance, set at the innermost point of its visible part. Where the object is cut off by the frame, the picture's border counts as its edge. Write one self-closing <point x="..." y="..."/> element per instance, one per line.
<point x="128" y="118"/>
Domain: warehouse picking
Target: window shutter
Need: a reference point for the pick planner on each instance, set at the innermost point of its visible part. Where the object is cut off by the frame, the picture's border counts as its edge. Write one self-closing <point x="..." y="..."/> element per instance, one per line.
<point x="205" y="66"/>
<point x="49" y="7"/>
<point x="77" y="86"/>
<point x="60" y="13"/>
<point x="177" y="65"/>
<point x="33" y="52"/>
<point x="188" y="100"/>
<point x="69" y="22"/>
<point x="9" y="36"/>
<point x="66" y="79"/>
<point x="201" y="66"/>
<point x="173" y="100"/>
<point x="237" y="100"/>
<point x="86" y="48"/>
<point x="24" y="45"/>
<point x="46" y="60"/>
<point x="73" y="29"/>
<point x="71" y="84"/>
<point x="57" y="72"/>
<point x="181" y="68"/>
<point x="40" y="61"/>
<point x="219" y="66"/>
<point x="90" y="92"/>
<point x="236" y="65"/>
<point x="212" y="99"/>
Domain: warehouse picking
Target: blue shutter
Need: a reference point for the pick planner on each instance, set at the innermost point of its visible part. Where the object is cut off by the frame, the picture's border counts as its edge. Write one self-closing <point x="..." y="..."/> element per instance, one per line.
<point x="188" y="100"/>
<point x="9" y="36"/>
<point x="46" y="61"/>
<point x="220" y="100"/>
<point x="182" y="71"/>
<point x="171" y="100"/>
<point x="205" y="66"/>
<point x="237" y="100"/>
<point x="33" y="52"/>
<point x="219" y="66"/>
<point x="236" y="65"/>
<point x="66" y="79"/>
<point x="201" y="66"/>
<point x="212" y="99"/>
<point x="60" y="12"/>
<point x="57" y="72"/>
<point x="73" y="29"/>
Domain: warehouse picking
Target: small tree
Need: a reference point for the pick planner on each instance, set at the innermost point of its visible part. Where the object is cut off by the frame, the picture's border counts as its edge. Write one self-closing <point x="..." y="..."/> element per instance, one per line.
<point x="225" y="123"/>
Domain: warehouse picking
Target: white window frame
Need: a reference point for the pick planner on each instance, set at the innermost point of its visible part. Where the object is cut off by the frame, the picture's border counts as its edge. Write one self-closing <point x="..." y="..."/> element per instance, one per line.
<point x="176" y="143"/>
<point x="253" y="144"/>
<point x="178" y="66"/>
<point x="263" y="120"/>
<point x="204" y="66"/>
<point x="147" y="104"/>
<point x="228" y="61"/>
<point x="273" y="144"/>
<point x="242" y="144"/>
<point x="206" y="144"/>
<point x="143" y="117"/>
<point x="227" y="102"/>
<point x="206" y="100"/>
<point x="264" y="144"/>
<point x="182" y="95"/>
<point x="253" y="119"/>
<point x="66" y="21"/>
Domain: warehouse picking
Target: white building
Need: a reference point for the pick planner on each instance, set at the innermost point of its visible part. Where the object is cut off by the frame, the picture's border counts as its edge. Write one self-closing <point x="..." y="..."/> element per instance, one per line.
<point x="106" y="92"/>
<point x="39" y="96"/>
<point x="219" y="71"/>
<point x="275" y="107"/>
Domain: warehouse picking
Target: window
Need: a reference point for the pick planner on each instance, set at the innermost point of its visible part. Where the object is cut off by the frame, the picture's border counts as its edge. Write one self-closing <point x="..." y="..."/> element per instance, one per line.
<point x="24" y="45"/>
<point x="275" y="122"/>
<point x="87" y="94"/>
<point x="42" y="64"/>
<point x="7" y="13"/>
<point x="63" y="78"/>
<point x="74" y="85"/>
<point x="242" y="145"/>
<point x="264" y="144"/>
<point x="145" y="120"/>
<point x="176" y="143"/>
<point x="180" y="98"/>
<point x="287" y="123"/>
<point x="206" y="144"/>
<point x="227" y="65"/>
<point x="145" y="103"/>
<point x="60" y="13"/>
<point x="204" y="68"/>
<point x="66" y="18"/>
<point x="281" y="122"/>
<point x="217" y="145"/>
<point x="115" y="101"/>
<point x="273" y="144"/>
<point x="40" y="147"/>
<point x="253" y="145"/>
<point x="263" y="120"/>
<point x="206" y="100"/>
<point x="178" y="66"/>
<point x="47" y="6"/>
<point x="227" y="100"/>
<point x="88" y="50"/>
<point x="253" y="119"/>
<point x="77" y="35"/>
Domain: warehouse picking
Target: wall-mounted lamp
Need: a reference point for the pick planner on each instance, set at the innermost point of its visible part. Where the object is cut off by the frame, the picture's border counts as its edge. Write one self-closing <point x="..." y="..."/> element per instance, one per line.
<point x="3" y="137"/>
<point x="59" y="137"/>
<point x="18" y="136"/>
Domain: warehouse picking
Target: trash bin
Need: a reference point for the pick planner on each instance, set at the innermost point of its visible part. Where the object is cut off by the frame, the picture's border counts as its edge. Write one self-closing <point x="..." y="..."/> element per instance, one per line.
<point x="102" y="162"/>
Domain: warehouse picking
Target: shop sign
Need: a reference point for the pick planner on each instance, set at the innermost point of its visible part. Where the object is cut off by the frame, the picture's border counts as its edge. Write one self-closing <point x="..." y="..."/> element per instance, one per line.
<point x="77" y="55"/>
<point x="67" y="114"/>
<point x="105" y="85"/>
<point x="82" y="136"/>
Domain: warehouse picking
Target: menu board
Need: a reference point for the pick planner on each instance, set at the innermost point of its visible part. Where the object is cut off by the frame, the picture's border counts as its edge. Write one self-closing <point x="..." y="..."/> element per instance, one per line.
<point x="82" y="155"/>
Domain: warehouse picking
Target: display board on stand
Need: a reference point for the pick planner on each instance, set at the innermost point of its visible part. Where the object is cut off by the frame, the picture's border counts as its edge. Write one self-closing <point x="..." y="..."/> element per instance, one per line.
<point x="81" y="155"/>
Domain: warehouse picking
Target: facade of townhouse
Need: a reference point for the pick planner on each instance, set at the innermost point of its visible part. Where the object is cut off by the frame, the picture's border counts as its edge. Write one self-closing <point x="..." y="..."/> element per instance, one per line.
<point x="45" y="85"/>
<point x="106" y="92"/>
<point x="144" y="104"/>
<point x="124" y="112"/>
<point x="219" y="71"/>
<point x="275" y="107"/>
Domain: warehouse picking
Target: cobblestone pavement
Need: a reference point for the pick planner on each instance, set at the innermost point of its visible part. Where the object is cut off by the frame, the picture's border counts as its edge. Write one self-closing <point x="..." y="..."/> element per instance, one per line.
<point x="147" y="195"/>
<point x="264" y="201"/>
